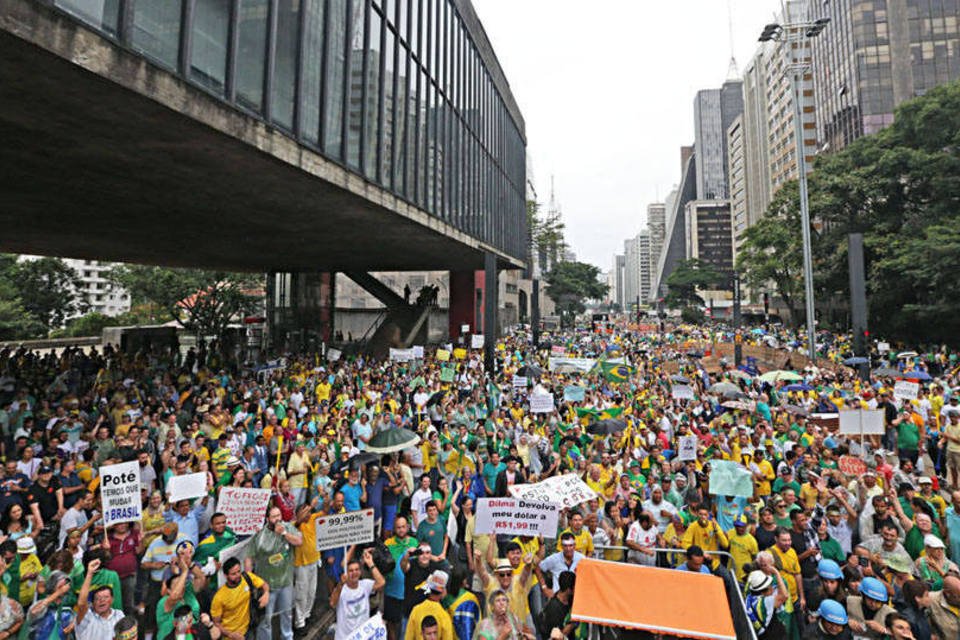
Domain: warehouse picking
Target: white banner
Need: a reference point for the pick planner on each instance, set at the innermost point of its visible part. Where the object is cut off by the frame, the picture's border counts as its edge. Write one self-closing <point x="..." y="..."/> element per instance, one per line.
<point x="558" y="350"/>
<point x="871" y="421"/>
<point x="238" y="551"/>
<point x="541" y="403"/>
<point x="687" y="450"/>
<point x="120" y="492"/>
<point x="517" y="517"/>
<point x="333" y="354"/>
<point x="883" y="347"/>
<point x="402" y="355"/>
<point x="906" y="390"/>
<point x="187" y="487"/>
<point x="476" y="341"/>
<point x="245" y="508"/>
<point x="681" y="392"/>
<point x="372" y="629"/>
<point x="571" y="365"/>
<point x="520" y="382"/>
<point x="344" y="529"/>
<point x="567" y="490"/>
<point x="418" y="352"/>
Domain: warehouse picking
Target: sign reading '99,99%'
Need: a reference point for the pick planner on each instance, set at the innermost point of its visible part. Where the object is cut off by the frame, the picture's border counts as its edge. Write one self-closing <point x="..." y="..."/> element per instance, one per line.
<point x="344" y="529"/>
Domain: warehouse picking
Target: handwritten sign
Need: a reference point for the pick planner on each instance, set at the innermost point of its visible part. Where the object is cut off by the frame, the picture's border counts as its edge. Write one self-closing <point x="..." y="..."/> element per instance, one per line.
<point x="120" y="492"/>
<point x="852" y="466"/>
<point x="443" y="355"/>
<point x="520" y="382"/>
<point x="681" y="392"/>
<point x="730" y="479"/>
<point x="333" y="354"/>
<point x="869" y="422"/>
<point x="517" y="517"/>
<point x="905" y="390"/>
<point x="476" y="341"/>
<point x="541" y="403"/>
<point x="187" y="487"/>
<point x="687" y="450"/>
<point x="418" y="352"/>
<point x="574" y="393"/>
<point x="459" y="353"/>
<point x="567" y="490"/>
<point x="372" y="629"/>
<point x="402" y="355"/>
<point x="558" y="350"/>
<point x="244" y="508"/>
<point x="344" y="529"/>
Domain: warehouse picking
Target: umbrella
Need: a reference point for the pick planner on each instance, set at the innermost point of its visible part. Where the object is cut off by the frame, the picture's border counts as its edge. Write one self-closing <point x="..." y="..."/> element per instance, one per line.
<point x="737" y="373"/>
<point x="736" y="404"/>
<point x="724" y="388"/>
<point x="607" y="426"/>
<point x="364" y="457"/>
<point x="918" y="374"/>
<point x="680" y="379"/>
<point x="774" y="376"/>
<point x="795" y="410"/>
<point x="392" y="440"/>
<point x="856" y="360"/>
<point x="757" y="331"/>
<point x="886" y="371"/>
<point x="798" y="387"/>
<point x="530" y="371"/>
<point x="695" y="354"/>
<point x="907" y="354"/>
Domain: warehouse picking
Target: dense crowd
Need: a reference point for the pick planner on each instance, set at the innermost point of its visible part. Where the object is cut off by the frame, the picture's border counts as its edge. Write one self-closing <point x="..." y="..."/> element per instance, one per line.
<point x="818" y="552"/>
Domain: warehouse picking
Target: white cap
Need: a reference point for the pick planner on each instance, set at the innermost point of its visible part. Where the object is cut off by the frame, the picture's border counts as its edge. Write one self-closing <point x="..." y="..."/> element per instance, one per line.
<point x="929" y="540"/>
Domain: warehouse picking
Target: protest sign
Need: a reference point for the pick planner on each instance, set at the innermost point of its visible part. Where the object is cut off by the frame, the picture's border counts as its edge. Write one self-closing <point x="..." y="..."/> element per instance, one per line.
<point x="905" y="390"/>
<point x="571" y="365"/>
<point x="730" y="479"/>
<point x="687" y="449"/>
<point x="372" y="629"/>
<point x="120" y="492"/>
<point x="558" y="350"/>
<point x="447" y="374"/>
<point x="443" y="355"/>
<point x="344" y="529"/>
<point x="187" y="487"/>
<point x="515" y="517"/>
<point x="402" y="355"/>
<point x="574" y="393"/>
<point x="459" y="353"/>
<point x="869" y="422"/>
<point x="245" y="508"/>
<point x="476" y="341"/>
<point x="541" y="403"/>
<point x="333" y="354"/>
<point x="883" y="347"/>
<point x="852" y="466"/>
<point x="238" y="551"/>
<point x="520" y="382"/>
<point x="418" y="352"/>
<point x="681" y="392"/>
<point x="567" y="490"/>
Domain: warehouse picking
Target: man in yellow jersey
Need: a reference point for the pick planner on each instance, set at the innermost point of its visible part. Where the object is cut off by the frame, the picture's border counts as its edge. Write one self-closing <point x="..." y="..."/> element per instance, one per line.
<point x="305" y="559"/>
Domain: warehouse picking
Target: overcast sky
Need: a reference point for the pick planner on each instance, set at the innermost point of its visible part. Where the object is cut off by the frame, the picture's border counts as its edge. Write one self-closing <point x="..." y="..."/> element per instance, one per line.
<point x="606" y="88"/>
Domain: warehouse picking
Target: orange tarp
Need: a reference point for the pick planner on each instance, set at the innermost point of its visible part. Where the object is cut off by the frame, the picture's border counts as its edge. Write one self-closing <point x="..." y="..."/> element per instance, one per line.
<point x="680" y="603"/>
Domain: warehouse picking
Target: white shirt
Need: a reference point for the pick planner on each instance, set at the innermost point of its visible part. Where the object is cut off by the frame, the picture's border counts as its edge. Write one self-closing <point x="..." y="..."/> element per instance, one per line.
<point x="418" y="504"/>
<point x="96" y="627"/>
<point x="353" y="608"/>
<point x="646" y="538"/>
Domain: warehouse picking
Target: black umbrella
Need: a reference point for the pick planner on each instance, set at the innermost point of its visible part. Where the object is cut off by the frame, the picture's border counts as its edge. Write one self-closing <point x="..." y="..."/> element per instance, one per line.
<point x="530" y="371"/>
<point x="607" y="426"/>
<point x="680" y="379"/>
<point x="886" y="371"/>
<point x="364" y="458"/>
<point x="695" y="354"/>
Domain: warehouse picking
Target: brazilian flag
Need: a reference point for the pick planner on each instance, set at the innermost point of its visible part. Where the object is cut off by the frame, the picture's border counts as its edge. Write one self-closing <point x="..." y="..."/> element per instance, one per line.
<point x="613" y="351"/>
<point x="588" y="412"/>
<point x="616" y="372"/>
<point x="612" y="412"/>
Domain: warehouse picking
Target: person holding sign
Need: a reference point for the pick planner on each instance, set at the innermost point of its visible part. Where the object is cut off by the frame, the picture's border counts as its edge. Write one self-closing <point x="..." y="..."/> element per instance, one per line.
<point x="270" y="554"/>
<point x="351" y="598"/>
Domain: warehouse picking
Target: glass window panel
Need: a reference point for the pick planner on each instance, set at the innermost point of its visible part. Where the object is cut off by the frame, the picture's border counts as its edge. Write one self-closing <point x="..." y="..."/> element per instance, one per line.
<point x="414" y="27"/>
<point x="333" y="89"/>
<point x="412" y="133"/>
<point x="399" y="142"/>
<point x="208" y="49"/>
<point x="156" y="30"/>
<point x="355" y="83"/>
<point x="312" y="68"/>
<point x="101" y="14"/>
<point x="371" y="111"/>
<point x="251" y="53"/>
<point x="388" y="115"/>
<point x="423" y="143"/>
<point x="285" y="63"/>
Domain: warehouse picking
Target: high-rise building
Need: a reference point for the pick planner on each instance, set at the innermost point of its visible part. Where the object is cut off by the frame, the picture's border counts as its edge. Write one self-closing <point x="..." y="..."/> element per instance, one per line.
<point x="738" y="181"/>
<point x="619" y="272"/>
<point x="674" y="244"/>
<point x="709" y="238"/>
<point x="631" y="272"/>
<point x="99" y="293"/>
<point x="714" y="110"/>
<point x="643" y="264"/>
<point x="875" y="54"/>
<point x="657" y="226"/>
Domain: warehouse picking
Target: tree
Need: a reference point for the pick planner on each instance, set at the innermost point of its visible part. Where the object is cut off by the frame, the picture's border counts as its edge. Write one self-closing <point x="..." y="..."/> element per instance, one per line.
<point x="48" y="290"/>
<point x="201" y="301"/>
<point x="15" y="321"/>
<point x="546" y="235"/>
<point x="770" y="253"/>
<point x="570" y="284"/>
<point x="690" y="275"/>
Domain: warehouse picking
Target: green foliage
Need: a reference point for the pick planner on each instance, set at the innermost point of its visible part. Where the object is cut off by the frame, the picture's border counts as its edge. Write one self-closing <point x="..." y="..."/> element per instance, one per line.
<point x="693" y="315"/>
<point x="546" y="235"/>
<point x="47" y="289"/>
<point x="690" y="275"/>
<point x="572" y="283"/>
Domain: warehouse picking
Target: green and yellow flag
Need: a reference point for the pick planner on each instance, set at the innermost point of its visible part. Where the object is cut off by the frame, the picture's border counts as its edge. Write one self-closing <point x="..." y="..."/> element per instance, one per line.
<point x="615" y="372"/>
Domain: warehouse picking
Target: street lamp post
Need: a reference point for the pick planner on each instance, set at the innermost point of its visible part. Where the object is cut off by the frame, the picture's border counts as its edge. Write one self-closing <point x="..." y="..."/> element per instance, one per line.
<point x="795" y="33"/>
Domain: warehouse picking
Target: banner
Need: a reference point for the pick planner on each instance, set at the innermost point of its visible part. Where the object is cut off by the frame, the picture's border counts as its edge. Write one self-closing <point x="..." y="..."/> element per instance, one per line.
<point x="476" y="341"/>
<point x="245" y="508"/>
<point x="443" y="355"/>
<point x="517" y="517"/>
<point x="681" y="392"/>
<point x="567" y="490"/>
<point x="541" y="403"/>
<point x="574" y="393"/>
<point x="120" y="492"/>
<point x="372" y="629"/>
<point x="187" y="487"/>
<point x="459" y="353"/>
<point x="418" y="352"/>
<point x="447" y="374"/>
<point x="730" y="479"/>
<point x="344" y="529"/>
<point x="687" y="449"/>
<point x="571" y="365"/>
<point x="906" y="390"/>
<point x="520" y="382"/>
<point x="333" y="354"/>
<point x="238" y="551"/>
<point x="402" y="355"/>
<point x="852" y="466"/>
<point x="558" y="350"/>
<point x="869" y="422"/>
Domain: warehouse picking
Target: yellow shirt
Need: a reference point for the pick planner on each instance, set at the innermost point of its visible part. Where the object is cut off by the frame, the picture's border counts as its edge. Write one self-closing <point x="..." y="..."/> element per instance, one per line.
<point x="531" y="547"/>
<point x="584" y="541"/>
<point x="708" y="538"/>
<point x="323" y="392"/>
<point x="808" y="495"/>
<point x="307" y="554"/>
<point x="952" y="430"/>
<point x="232" y="605"/>
<point x="743" y="549"/>
<point x="31" y="564"/>
<point x="298" y="463"/>
<point x="763" y="486"/>
<point x="789" y="569"/>
<point x="519" y="604"/>
<point x="429" y="608"/>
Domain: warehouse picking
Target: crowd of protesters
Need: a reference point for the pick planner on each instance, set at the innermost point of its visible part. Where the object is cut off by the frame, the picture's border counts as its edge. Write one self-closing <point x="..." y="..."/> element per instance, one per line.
<point x="819" y="553"/>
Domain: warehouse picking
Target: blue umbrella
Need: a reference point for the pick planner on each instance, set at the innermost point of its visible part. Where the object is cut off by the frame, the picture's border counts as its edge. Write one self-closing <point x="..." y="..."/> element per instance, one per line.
<point x="757" y="331"/>
<point x="854" y="361"/>
<point x="917" y="375"/>
<point x="800" y="386"/>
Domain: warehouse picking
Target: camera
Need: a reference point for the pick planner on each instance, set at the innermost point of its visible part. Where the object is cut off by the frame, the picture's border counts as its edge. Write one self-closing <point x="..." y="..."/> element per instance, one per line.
<point x="416" y="552"/>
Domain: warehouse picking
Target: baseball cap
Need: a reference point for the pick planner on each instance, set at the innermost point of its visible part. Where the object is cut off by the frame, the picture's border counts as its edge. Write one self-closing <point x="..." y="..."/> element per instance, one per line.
<point x="933" y="542"/>
<point x="740" y="521"/>
<point x="45" y="469"/>
<point x="925" y="480"/>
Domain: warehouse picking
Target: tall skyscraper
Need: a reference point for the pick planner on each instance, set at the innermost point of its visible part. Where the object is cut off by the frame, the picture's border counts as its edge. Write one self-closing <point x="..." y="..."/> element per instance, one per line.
<point x="714" y="110"/>
<point x="619" y="272"/>
<point x="631" y="272"/>
<point x="657" y="225"/>
<point x="643" y="265"/>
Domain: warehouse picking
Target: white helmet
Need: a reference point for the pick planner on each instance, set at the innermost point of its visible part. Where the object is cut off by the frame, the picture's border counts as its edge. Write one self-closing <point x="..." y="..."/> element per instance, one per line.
<point x="758" y="581"/>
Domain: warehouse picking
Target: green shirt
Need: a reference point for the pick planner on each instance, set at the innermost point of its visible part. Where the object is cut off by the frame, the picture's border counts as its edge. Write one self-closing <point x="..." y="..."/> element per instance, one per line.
<point x="908" y="436"/>
<point x="165" y="620"/>
<point x="832" y="550"/>
<point x="273" y="556"/>
<point x="433" y="534"/>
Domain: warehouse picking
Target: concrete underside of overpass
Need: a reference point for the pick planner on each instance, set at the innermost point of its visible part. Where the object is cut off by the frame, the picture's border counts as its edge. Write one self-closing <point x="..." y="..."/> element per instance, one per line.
<point x="105" y="156"/>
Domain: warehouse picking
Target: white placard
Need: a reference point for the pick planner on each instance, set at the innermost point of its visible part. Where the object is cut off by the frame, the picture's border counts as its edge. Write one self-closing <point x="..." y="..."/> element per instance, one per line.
<point x="681" y="392"/>
<point x="245" y="508"/>
<point x="372" y="629"/>
<point x="238" y="551"/>
<point x="871" y="421"/>
<point x="418" y="352"/>
<point x="402" y="355"/>
<point x="687" y="450"/>
<point x="883" y="347"/>
<point x="558" y="350"/>
<point x="187" y="487"/>
<point x="571" y="365"/>
<point x="464" y="329"/>
<point x="344" y="529"/>
<point x="333" y="354"/>
<point x="567" y="490"/>
<point x="541" y="403"/>
<point x="520" y="382"/>
<point x="120" y="493"/>
<point x="517" y="517"/>
<point x="906" y="390"/>
<point x="476" y="341"/>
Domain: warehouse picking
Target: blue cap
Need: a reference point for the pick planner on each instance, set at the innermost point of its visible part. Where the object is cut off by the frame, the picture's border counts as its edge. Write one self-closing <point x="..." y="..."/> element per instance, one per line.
<point x="832" y="611"/>
<point x="829" y="569"/>
<point x="740" y="521"/>
<point x="873" y="589"/>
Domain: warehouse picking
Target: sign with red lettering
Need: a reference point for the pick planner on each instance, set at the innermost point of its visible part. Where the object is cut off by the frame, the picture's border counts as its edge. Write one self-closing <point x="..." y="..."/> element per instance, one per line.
<point x="517" y="517"/>
<point x="245" y="508"/>
<point x="344" y="529"/>
<point x="567" y="490"/>
<point x="852" y="466"/>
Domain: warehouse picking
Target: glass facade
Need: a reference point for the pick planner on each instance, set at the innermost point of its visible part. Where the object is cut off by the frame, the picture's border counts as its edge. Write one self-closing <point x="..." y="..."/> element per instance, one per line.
<point x="396" y="90"/>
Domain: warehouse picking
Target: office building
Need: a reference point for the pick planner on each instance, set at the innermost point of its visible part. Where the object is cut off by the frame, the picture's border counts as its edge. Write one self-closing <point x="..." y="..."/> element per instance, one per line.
<point x="710" y="240"/>
<point x="714" y="110"/>
<point x="619" y="273"/>
<point x="657" y="226"/>
<point x="631" y="273"/>
<point x="99" y="293"/>
<point x="644" y="276"/>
